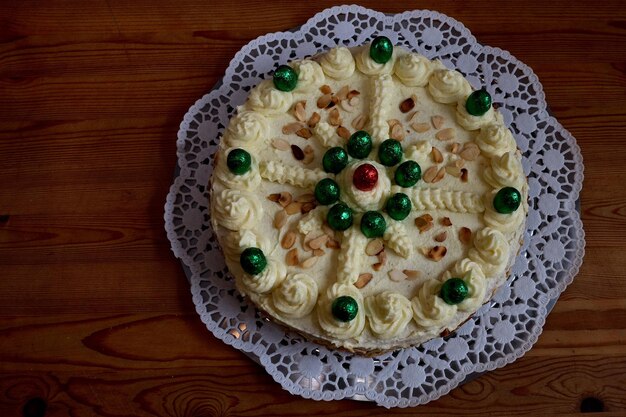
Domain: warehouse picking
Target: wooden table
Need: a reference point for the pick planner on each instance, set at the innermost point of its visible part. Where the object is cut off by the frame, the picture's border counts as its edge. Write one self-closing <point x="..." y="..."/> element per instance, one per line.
<point x="95" y="313"/>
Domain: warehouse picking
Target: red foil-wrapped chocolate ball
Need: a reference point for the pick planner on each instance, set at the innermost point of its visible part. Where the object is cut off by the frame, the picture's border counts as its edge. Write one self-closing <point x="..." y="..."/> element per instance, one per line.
<point x="365" y="177"/>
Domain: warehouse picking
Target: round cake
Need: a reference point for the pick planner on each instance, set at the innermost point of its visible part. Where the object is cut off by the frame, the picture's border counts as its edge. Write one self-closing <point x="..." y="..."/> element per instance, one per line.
<point x="368" y="198"/>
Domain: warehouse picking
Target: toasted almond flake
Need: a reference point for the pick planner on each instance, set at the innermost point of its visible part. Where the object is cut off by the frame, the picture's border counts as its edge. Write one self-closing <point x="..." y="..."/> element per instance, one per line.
<point x="318" y="242"/>
<point x="445" y="221"/>
<point x="412" y="115"/>
<point x="293" y="208"/>
<point x="437" y="156"/>
<point x="437" y="121"/>
<point x="297" y="152"/>
<point x="305" y="198"/>
<point x="353" y="93"/>
<point x="290" y="128"/>
<point x="420" y="127"/>
<point x="309" y="154"/>
<point x="274" y="197"/>
<point x="397" y="132"/>
<point x="437" y="253"/>
<point x="299" y="110"/>
<point x="446" y="134"/>
<point x="374" y="247"/>
<point x="382" y="257"/>
<point x="407" y="105"/>
<point x="440" y="237"/>
<point x="280" y="219"/>
<point x="333" y="100"/>
<point x="377" y="266"/>
<point x="468" y="145"/>
<point x="453" y="170"/>
<point x="396" y="275"/>
<point x="393" y="122"/>
<point x="314" y="119"/>
<point x="412" y="274"/>
<point x="424" y="251"/>
<point x="291" y="258"/>
<point x="464" y="174"/>
<point x="359" y="122"/>
<point x="280" y="144"/>
<point x="309" y="262"/>
<point x="424" y="222"/>
<point x="470" y="154"/>
<point x="333" y="244"/>
<point x="288" y="240"/>
<point x="334" y="118"/>
<point x="284" y="198"/>
<point x="325" y="89"/>
<point x="465" y="235"/>
<point x="324" y="101"/>
<point x="440" y="174"/>
<point x="343" y="132"/>
<point x="342" y="94"/>
<point x="455" y="147"/>
<point x="305" y="133"/>
<point x="430" y="174"/>
<point x="306" y="207"/>
<point x="459" y="163"/>
<point x="318" y="252"/>
<point x="363" y="280"/>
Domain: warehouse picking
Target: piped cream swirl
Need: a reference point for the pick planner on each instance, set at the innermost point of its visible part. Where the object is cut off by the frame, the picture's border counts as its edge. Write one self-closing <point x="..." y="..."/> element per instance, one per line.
<point x="388" y="314"/>
<point x="368" y="66"/>
<point x="248" y="181"/>
<point x="503" y="222"/>
<point x="338" y="63"/>
<point x="471" y="122"/>
<point x="413" y="70"/>
<point x="236" y="209"/>
<point x="429" y="310"/>
<point x="310" y="75"/>
<point x="494" y="139"/>
<point x="505" y="171"/>
<point x="273" y="274"/>
<point x="265" y="98"/>
<point x="490" y="251"/>
<point x="448" y="86"/>
<point x="472" y="274"/>
<point x="332" y="326"/>
<point x="296" y="296"/>
<point x="248" y="130"/>
<point x="364" y="200"/>
<point x="235" y="242"/>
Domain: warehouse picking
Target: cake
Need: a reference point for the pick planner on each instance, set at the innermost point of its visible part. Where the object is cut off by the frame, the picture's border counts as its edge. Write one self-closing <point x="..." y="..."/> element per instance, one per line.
<point x="368" y="198"/>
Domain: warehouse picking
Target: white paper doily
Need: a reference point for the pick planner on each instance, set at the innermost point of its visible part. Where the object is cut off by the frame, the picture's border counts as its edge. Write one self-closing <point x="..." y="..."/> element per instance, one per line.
<point x="501" y="331"/>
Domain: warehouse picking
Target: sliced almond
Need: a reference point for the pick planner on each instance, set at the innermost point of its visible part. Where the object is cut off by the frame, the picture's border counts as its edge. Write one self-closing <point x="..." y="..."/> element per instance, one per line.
<point x="453" y="170"/>
<point x="324" y="101"/>
<point x="437" y="156"/>
<point x="440" y="174"/>
<point x="309" y="154"/>
<point x="353" y="93"/>
<point x="437" y="121"/>
<point x="293" y="208"/>
<point x="318" y="252"/>
<point x="306" y="207"/>
<point x="446" y="134"/>
<point x="342" y="94"/>
<point x="333" y="100"/>
<point x="437" y="253"/>
<point x="430" y="174"/>
<point x="280" y="219"/>
<point x="393" y="122"/>
<point x="412" y="115"/>
<point x="325" y="89"/>
<point x="455" y="147"/>
<point x="288" y="240"/>
<point x="440" y="237"/>
<point x="274" y="197"/>
<point x="318" y="242"/>
<point x="374" y="247"/>
<point x="333" y="244"/>
<point x="334" y="118"/>
<point x="470" y="154"/>
<point x="464" y="174"/>
<point x="314" y="119"/>
<point x="377" y="266"/>
<point x="465" y="235"/>
<point x="308" y="263"/>
<point x="412" y="274"/>
<point x="290" y="128"/>
<point x="424" y="251"/>
<point x="359" y="122"/>
<point x="299" y="110"/>
<point x="382" y="257"/>
<point x="396" y="275"/>
<point x="459" y="163"/>
<point x="285" y="198"/>
<point x="297" y="152"/>
<point x="343" y="132"/>
<point x="424" y="222"/>
<point x="305" y="133"/>
<point x="305" y="198"/>
<point x="363" y="280"/>
<point x="420" y="127"/>
<point x="445" y="221"/>
<point x="397" y="132"/>
<point x="280" y="144"/>
<point x="407" y="105"/>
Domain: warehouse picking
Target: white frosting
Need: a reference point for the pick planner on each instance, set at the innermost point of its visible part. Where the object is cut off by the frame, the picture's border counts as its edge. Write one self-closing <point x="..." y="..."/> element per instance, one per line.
<point x="419" y="152"/>
<point x="310" y="75"/>
<point x="383" y="95"/>
<point x="437" y="198"/>
<point x="490" y="251"/>
<point x="330" y="325"/>
<point x="287" y="174"/>
<point x="388" y="314"/>
<point x="295" y="296"/>
<point x="248" y="181"/>
<point x="273" y="274"/>
<point x="494" y="139"/>
<point x="312" y="221"/>
<point x="474" y="278"/>
<point x="503" y="222"/>
<point x="265" y="98"/>
<point x="397" y="237"/>
<point x="338" y="63"/>
<point x="367" y="65"/>
<point x="429" y="310"/>
<point x="364" y="200"/>
<point x="470" y="122"/>
<point x="413" y="70"/>
<point x="351" y="256"/>
<point x="505" y="171"/>
<point x="248" y="130"/>
<point x="237" y="209"/>
<point x="327" y="135"/>
<point x="448" y="86"/>
<point x="235" y="242"/>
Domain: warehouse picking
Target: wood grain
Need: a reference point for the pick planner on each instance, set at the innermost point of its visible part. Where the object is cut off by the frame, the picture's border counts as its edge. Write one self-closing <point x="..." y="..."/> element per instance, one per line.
<point x="95" y="313"/>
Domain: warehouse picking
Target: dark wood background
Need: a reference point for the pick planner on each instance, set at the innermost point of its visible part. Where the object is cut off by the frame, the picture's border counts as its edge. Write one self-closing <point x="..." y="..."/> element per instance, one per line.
<point x="95" y="313"/>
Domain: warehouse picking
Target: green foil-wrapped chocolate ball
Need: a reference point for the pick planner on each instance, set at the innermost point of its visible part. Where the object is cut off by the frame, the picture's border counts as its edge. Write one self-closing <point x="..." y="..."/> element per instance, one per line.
<point x="398" y="206"/>
<point x="253" y="261"/>
<point x="238" y="161"/>
<point x="454" y="291"/>
<point x="478" y="103"/>
<point x="381" y="49"/>
<point x="507" y="200"/>
<point x="360" y="144"/>
<point x="285" y="78"/>
<point x="345" y="308"/>
<point x="408" y="174"/>
<point x="327" y="191"/>
<point x="373" y="224"/>
<point x="335" y="159"/>
<point x="339" y="217"/>
<point x="390" y="152"/>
